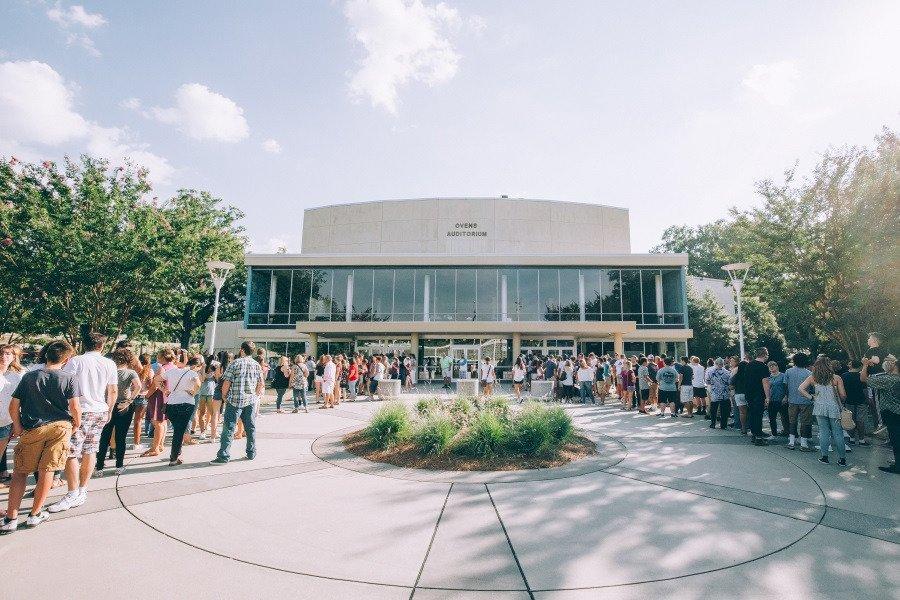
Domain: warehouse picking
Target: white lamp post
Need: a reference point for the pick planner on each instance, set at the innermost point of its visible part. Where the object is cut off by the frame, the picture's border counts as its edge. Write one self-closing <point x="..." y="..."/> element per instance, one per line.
<point x="218" y="270"/>
<point x="737" y="272"/>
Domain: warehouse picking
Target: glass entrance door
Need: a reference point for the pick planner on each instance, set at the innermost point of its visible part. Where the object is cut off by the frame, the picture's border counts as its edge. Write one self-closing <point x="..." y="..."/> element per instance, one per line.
<point x="472" y="356"/>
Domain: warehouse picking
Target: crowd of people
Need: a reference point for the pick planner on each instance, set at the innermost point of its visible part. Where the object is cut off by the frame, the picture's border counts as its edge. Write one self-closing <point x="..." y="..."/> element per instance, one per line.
<point x="846" y="400"/>
<point x="70" y="413"/>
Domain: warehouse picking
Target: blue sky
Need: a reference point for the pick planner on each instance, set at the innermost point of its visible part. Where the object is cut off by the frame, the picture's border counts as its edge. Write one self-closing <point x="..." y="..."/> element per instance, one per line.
<point x="672" y="109"/>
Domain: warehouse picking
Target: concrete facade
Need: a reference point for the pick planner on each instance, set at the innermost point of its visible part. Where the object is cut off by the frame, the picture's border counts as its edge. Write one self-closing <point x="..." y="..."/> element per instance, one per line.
<point x="460" y="226"/>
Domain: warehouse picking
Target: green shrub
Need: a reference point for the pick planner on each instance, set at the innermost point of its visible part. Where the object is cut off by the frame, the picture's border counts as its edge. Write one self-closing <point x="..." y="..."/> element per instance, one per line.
<point x="486" y="436"/>
<point x="390" y="425"/>
<point x="429" y="406"/>
<point x="530" y="430"/>
<point x="462" y="411"/>
<point x="435" y="434"/>
<point x="560" y="424"/>
<point x="498" y="406"/>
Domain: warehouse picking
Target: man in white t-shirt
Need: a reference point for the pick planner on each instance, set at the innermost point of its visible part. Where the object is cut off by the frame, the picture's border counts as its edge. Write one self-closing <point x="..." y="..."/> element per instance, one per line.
<point x="97" y="379"/>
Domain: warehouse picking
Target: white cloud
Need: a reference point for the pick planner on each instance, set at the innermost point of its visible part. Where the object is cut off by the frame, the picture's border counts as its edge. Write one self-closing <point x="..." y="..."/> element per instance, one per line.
<point x="776" y="83"/>
<point x="131" y="103"/>
<point x="271" y="145"/>
<point x="75" y="15"/>
<point x="79" y="39"/>
<point x="37" y="114"/>
<point x="404" y="40"/>
<point x="202" y="114"/>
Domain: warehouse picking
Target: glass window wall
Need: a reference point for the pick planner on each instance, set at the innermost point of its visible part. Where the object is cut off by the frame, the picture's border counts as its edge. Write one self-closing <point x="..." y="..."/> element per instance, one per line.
<point x="282" y="297"/>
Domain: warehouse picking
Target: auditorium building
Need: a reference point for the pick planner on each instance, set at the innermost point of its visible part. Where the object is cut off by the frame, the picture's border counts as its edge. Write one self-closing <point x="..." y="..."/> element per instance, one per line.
<point x="465" y="277"/>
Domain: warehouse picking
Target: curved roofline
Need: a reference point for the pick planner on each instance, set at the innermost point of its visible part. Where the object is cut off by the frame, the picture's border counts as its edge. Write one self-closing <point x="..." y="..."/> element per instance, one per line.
<point x="444" y="198"/>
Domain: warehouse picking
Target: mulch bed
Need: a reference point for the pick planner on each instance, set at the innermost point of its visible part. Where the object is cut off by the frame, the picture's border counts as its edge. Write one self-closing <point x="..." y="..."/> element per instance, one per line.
<point x="407" y="455"/>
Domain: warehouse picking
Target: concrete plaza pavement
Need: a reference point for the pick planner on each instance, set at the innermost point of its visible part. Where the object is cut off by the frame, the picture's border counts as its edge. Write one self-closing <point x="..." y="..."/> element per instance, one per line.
<point x="668" y="509"/>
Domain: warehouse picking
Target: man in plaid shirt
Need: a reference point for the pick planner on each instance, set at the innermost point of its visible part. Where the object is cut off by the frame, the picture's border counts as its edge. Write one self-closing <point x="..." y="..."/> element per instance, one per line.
<point x="242" y="385"/>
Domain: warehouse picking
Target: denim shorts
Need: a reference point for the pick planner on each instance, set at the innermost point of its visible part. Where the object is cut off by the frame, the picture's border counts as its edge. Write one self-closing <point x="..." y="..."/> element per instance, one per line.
<point x="740" y="400"/>
<point x="140" y="401"/>
<point x="5" y="431"/>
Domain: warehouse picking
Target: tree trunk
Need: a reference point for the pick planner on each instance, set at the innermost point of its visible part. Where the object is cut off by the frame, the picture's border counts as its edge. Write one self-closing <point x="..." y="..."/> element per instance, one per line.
<point x="187" y="327"/>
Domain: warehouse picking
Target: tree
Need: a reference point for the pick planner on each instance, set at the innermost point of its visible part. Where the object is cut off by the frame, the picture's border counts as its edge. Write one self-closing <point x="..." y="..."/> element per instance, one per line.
<point x="88" y="249"/>
<point x="824" y="250"/>
<point x="197" y="231"/>
<point x="715" y="331"/>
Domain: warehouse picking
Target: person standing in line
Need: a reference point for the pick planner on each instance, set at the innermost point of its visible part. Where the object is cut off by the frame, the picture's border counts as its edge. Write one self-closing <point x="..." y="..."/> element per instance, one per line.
<point x="298" y="382"/>
<point x="98" y="389"/>
<point x="719" y="380"/>
<point x="652" y="370"/>
<point x="281" y="382"/>
<point x="698" y="380"/>
<point x="10" y="375"/>
<point x="518" y="377"/>
<point x="585" y="376"/>
<point x="340" y="379"/>
<point x="329" y="373"/>
<point x="156" y="399"/>
<point x="447" y="372"/>
<point x="739" y="383"/>
<point x="668" y="379"/>
<point x="207" y="412"/>
<point x="405" y="378"/>
<point x="758" y="394"/>
<point x="376" y="373"/>
<point x="182" y="383"/>
<point x="627" y="381"/>
<point x="311" y="368"/>
<point x="799" y="406"/>
<point x="45" y="409"/>
<point x="145" y="374"/>
<point x="352" y="378"/>
<point x="828" y="390"/>
<point x="242" y="385"/>
<point x="320" y="370"/>
<point x="487" y="376"/>
<point x="686" y="389"/>
<point x="778" y="401"/>
<point x="887" y="384"/>
<point x="876" y="355"/>
<point x="129" y="386"/>
<point x="856" y="401"/>
<point x="643" y="378"/>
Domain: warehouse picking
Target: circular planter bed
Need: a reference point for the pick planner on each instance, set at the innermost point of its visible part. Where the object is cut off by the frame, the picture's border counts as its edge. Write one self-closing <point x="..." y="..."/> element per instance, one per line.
<point x="407" y="454"/>
<point x="470" y="434"/>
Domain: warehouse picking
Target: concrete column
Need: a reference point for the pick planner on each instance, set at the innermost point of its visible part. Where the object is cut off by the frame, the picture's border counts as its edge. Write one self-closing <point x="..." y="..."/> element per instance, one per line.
<point x="516" y="345"/>
<point x="618" y="343"/>
<point x="313" y="342"/>
<point x="504" y="313"/>
<point x="581" y="294"/>
<point x="348" y="316"/>
<point x="426" y="299"/>
<point x="414" y="342"/>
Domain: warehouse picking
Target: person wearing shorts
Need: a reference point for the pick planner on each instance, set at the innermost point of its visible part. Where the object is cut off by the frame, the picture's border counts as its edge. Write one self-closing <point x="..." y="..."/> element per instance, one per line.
<point x="668" y="379"/>
<point x="98" y="388"/>
<point x="44" y="409"/>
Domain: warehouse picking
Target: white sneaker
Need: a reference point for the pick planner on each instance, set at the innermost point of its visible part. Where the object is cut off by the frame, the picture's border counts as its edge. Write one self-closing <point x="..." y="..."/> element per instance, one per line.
<point x="120" y="470"/>
<point x="8" y="525"/>
<point x="35" y="520"/>
<point x="70" y="500"/>
<point x="770" y="438"/>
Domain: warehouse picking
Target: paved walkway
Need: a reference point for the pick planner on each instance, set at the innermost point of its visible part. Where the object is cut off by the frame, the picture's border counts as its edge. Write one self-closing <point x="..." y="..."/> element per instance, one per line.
<point x="669" y="509"/>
